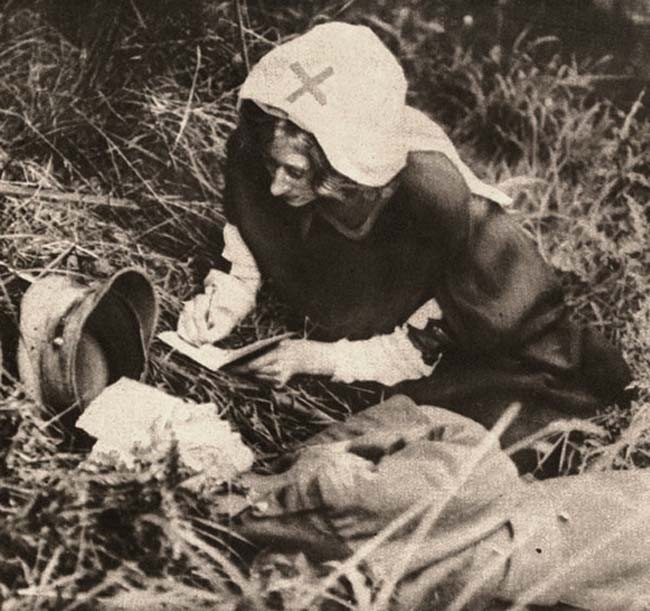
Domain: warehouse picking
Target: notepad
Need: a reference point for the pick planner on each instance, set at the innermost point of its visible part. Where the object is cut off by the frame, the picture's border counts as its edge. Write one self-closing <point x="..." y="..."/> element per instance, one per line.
<point x="214" y="358"/>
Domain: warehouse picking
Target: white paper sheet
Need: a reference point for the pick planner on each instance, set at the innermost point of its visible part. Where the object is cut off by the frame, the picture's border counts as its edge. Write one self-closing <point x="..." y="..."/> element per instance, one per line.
<point x="214" y="358"/>
<point x="130" y="420"/>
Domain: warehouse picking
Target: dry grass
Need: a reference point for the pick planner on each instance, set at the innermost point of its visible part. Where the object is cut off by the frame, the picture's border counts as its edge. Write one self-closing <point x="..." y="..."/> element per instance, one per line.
<point x="148" y="122"/>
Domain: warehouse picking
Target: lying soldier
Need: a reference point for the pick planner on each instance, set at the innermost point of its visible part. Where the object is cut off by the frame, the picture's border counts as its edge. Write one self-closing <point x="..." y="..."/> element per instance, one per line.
<point x="420" y="497"/>
<point x="424" y="498"/>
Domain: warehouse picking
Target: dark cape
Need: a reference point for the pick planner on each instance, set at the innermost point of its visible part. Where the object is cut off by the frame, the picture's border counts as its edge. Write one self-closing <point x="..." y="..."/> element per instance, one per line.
<point x="505" y="334"/>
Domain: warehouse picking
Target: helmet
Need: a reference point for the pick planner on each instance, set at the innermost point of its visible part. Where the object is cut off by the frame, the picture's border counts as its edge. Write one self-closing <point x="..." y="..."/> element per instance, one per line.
<point x="77" y="339"/>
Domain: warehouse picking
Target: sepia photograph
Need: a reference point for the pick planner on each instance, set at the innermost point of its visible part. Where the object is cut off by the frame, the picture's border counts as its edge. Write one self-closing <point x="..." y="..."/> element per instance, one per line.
<point x="324" y="305"/>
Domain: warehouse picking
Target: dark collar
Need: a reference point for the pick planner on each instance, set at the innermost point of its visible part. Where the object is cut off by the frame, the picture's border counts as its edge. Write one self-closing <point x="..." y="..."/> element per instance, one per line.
<point x="354" y="221"/>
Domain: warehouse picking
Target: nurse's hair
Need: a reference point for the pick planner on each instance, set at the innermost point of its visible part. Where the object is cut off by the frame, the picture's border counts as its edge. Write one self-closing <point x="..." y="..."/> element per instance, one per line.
<point x="326" y="181"/>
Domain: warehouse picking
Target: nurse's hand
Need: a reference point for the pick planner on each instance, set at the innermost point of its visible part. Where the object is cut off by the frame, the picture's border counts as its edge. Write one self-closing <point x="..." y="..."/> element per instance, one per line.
<point x="203" y="322"/>
<point x="289" y="358"/>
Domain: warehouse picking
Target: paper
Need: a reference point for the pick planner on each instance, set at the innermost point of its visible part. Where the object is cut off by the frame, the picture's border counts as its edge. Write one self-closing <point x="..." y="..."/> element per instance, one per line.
<point x="130" y="420"/>
<point x="214" y="358"/>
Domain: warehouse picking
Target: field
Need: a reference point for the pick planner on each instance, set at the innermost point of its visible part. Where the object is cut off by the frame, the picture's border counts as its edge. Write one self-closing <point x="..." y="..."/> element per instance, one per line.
<point x="125" y="107"/>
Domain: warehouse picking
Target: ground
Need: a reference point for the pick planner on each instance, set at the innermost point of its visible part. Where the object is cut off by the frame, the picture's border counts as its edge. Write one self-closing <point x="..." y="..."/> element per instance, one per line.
<point x="135" y="100"/>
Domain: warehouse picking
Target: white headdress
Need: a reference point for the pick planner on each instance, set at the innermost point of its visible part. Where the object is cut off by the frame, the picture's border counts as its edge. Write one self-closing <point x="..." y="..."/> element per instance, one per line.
<point x="340" y="83"/>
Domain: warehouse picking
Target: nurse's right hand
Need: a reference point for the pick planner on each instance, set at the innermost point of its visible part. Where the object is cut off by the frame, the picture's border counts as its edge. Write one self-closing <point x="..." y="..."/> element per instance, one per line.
<point x="202" y="321"/>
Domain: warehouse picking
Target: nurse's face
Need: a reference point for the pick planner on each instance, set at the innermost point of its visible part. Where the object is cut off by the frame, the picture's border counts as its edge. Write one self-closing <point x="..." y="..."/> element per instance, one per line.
<point x="290" y="170"/>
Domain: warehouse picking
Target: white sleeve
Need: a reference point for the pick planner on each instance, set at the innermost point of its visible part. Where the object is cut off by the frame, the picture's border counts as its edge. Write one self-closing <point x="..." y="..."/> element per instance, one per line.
<point x="387" y="359"/>
<point x="236" y="251"/>
<point x="234" y="294"/>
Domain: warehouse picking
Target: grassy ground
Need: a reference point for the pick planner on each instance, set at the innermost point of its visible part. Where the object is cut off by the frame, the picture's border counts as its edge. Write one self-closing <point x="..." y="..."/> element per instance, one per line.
<point x="136" y="100"/>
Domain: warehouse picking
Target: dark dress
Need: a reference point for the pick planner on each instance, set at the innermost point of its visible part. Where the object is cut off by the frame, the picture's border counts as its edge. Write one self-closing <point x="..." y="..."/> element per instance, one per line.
<point x="505" y="334"/>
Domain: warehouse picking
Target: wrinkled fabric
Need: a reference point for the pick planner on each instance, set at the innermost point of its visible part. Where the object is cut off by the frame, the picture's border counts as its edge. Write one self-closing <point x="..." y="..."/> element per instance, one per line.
<point x="580" y="540"/>
<point x="583" y="540"/>
<point x="505" y="333"/>
<point x="356" y="477"/>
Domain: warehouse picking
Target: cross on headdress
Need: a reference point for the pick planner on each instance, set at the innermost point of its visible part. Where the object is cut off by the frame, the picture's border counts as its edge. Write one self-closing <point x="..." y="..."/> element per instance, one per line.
<point x="310" y="84"/>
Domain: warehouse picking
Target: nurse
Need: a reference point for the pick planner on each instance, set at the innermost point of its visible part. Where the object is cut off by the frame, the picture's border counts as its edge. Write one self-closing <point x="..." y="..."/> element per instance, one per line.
<point x="359" y="210"/>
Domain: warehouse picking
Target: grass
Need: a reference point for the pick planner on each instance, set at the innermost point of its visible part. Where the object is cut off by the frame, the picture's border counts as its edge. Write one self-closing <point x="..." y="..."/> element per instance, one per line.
<point x="144" y="117"/>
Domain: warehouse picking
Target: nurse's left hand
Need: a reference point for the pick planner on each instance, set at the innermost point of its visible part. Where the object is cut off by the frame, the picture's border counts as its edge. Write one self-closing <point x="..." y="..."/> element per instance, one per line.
<point x="289" y="358"/>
